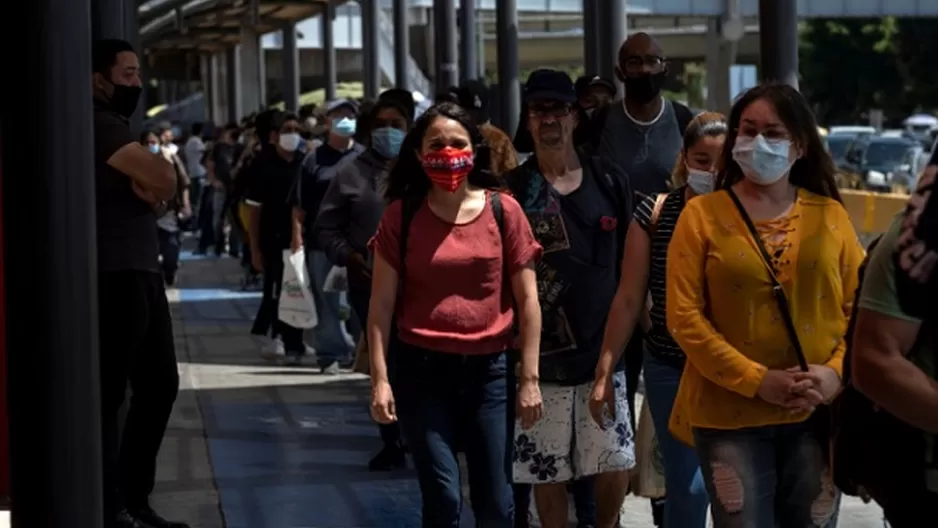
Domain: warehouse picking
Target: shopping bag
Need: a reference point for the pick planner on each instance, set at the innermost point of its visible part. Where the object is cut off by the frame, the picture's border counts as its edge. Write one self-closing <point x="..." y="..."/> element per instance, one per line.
<point x="362" y="363"/>
<point x="336" y="280"/>
<point x="295" y="306"/>
<point x="648" y="476"/>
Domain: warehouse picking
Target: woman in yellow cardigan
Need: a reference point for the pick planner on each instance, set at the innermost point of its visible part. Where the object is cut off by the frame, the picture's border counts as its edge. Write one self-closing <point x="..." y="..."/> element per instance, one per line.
<point x="743" y="400"/>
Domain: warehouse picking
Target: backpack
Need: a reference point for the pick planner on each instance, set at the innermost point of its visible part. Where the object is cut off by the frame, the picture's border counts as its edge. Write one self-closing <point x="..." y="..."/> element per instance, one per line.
<point x="866" y="441"/>
<point x="598" y="122"/>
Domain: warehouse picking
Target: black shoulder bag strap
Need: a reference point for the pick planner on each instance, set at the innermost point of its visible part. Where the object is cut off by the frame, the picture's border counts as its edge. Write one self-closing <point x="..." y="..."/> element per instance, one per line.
<point x="777" y="290"/>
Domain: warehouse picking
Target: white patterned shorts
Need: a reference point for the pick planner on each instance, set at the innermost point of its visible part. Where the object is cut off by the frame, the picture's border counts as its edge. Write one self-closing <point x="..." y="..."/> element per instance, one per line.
<point x="566" y="443"/>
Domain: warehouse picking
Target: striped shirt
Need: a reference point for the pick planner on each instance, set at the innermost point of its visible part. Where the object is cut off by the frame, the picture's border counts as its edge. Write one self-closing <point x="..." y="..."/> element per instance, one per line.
<point x="658" y="341"/>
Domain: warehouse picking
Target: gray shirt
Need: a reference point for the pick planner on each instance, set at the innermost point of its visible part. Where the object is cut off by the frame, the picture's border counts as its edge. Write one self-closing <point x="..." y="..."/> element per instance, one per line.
<point x="646" y="152"/>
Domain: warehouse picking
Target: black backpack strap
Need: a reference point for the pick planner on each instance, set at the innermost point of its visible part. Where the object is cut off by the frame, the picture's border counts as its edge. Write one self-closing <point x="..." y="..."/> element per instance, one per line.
<point x="683" y="114"/>
<point x="499" y="212"/>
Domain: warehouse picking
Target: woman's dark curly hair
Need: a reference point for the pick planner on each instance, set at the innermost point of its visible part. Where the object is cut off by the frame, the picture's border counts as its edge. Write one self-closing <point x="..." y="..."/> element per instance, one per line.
<point x="407" y="179"/>
<point x="815" y="169"/>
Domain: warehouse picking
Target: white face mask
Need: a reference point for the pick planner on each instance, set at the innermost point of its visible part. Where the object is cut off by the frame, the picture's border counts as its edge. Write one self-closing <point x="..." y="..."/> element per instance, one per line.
<point x="289" y="142"/>
<point x="700" y="181"/>
<point x="763" y="162"/>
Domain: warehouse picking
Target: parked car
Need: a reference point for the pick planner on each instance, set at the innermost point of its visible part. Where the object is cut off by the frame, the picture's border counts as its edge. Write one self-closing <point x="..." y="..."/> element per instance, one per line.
<point x="882" y="163"/>
<point x="837" y="147"/>
<point x="851" y="131"/>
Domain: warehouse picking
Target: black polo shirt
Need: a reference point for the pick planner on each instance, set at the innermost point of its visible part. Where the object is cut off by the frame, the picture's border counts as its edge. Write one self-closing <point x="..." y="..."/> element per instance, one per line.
<point x="126" y="225"/>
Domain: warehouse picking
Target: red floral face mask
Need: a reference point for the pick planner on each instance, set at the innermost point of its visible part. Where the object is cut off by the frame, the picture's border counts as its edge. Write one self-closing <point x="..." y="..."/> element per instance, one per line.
<point x="448" y="167"/>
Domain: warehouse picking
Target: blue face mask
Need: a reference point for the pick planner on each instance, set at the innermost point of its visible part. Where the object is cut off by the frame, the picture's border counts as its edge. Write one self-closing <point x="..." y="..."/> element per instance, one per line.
<point x="387" y="141"/>
<point x="344" y="127"/>
<point x="763" y="162"/>
<point x="155" y="148"/>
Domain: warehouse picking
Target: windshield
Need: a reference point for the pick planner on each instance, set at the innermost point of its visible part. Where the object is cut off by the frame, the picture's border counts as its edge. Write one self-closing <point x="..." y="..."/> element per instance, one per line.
<point x="885" y="153"/>
<point x="837" y="146"/>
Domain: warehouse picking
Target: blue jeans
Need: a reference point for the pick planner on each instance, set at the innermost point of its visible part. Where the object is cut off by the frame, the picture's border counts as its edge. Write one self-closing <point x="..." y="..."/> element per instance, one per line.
<point x="687" y="501"/>
<point x="446" y="402"/>
<point x="328" y="339"/>
<point x="774" y="475"/>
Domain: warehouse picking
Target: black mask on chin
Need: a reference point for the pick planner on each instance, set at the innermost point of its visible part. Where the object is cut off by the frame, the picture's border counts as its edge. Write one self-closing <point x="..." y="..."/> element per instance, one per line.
<point x="644" y="88"/>
<point x="124" y="99"/>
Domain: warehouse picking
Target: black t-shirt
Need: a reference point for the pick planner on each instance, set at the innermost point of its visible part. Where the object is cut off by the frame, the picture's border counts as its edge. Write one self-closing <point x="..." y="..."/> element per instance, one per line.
<point x="318" y="169"/>
<point x="223" y="155"/>
<point x="576" y="277"/>
<point x="270" y="181"/>
<point x="126" y="225"/>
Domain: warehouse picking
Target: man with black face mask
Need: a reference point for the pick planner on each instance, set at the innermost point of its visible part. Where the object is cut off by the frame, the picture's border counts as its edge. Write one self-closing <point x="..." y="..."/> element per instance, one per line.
<point x="136" y="333"/>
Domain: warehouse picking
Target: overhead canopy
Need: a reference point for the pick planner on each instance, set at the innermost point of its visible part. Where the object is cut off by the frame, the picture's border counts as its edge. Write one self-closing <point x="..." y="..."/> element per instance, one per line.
<point x="210" y="26"/>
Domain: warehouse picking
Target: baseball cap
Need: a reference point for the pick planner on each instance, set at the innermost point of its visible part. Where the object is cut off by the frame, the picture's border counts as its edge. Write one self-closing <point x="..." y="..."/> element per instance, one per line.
<point x="334" y="105"/>
<point x="604" y="83"/>
<point x="550" y="85"/>
<point x="473" y="95"/>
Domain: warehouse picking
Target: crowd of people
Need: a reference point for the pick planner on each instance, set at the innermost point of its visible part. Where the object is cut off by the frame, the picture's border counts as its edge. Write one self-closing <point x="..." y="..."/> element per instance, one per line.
<point x="514" y="293"/>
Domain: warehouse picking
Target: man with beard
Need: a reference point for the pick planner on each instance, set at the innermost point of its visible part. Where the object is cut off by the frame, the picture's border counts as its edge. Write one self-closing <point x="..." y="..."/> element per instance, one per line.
<point x="136" y="332"/>
<point x="576" y="207"/>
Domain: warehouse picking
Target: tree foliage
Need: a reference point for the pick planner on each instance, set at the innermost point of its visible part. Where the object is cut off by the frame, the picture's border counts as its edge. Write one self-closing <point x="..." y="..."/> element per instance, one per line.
<point x="849" y="66"/>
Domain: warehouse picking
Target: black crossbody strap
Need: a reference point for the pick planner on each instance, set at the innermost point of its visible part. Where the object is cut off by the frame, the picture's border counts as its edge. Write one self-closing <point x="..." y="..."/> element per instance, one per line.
<point x="777" y="289"/>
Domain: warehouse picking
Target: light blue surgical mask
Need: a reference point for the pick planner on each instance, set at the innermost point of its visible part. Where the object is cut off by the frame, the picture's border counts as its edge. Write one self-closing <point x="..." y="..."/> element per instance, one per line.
<point x="344" y="127"/>
<point x="700" y="181"/>
<point x="154" y="148"/>
<point x="763" y="162"/>
<point x="387" y="141"/>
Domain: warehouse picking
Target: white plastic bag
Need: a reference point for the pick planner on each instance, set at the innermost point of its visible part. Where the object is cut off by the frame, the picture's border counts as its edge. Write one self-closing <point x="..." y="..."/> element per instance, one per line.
<point x="296" y="306"/>
<point x="336" y="280"/>
<point x="648" y="475"/>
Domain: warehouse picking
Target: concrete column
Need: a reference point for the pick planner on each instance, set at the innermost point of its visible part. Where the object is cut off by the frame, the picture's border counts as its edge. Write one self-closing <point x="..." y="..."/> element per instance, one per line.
<point x="262" y="74"/>
<point x="614" y="35"/>
<point x="778" y="40"/>
<point x="290" y="63"/>
<point x="468" y="44"/>
<point x="249" y="55"/>
<point x="51" y="379"/>
<point x="208" y="87"/>
<point x="591" y="36"/>
<point x="370" y="48"/>
<point x="231" y="73"/>
<point x="401" y="44"/>
<point x="446" y="35"/>
<point x="721" y="54"/>
<point x="506" y="27"/>
<point x="328" y="50"/>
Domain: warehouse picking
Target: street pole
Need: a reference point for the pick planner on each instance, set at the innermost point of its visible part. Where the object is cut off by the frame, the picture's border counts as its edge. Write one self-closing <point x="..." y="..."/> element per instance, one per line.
<point x="509" y="85"/>
<point x="468" y="45"/>
<point x="778" y="41"/>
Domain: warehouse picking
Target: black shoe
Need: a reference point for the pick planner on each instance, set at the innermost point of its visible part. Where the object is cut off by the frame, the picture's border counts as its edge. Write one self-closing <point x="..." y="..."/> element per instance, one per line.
<point x="388" y="459"/>
<point x="125" y="520"/>
<point x="147" y="518"/>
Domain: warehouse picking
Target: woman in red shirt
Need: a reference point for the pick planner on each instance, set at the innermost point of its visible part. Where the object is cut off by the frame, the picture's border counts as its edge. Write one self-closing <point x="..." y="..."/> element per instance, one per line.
<point x="452" y="297"/>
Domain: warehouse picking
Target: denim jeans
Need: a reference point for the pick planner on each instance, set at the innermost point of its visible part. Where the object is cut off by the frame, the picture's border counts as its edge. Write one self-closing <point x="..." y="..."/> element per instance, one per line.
<point x="773" y="475"/>
<point x="446" y="402"/>
<point x="686" y="505"/>
<point x="328" y="338"/>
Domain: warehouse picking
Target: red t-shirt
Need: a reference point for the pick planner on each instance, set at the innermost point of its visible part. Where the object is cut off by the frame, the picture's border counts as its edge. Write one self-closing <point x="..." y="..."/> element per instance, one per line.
<point x="453" y="300"/>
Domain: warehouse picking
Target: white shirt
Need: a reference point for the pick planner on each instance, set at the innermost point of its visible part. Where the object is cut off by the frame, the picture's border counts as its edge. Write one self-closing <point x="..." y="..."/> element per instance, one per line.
<point x="193" y="150"/>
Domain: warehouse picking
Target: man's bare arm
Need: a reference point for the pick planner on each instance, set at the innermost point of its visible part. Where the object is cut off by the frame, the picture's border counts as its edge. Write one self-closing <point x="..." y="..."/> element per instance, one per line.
<point x="153" y="173"/>
<point x="882" y="371"/>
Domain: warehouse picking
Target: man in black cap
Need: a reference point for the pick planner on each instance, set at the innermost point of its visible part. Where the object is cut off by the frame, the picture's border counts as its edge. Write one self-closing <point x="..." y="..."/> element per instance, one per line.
<point x="473" y="96"/>
<point x="579" y="210"/>
<point x="592" y="92"/>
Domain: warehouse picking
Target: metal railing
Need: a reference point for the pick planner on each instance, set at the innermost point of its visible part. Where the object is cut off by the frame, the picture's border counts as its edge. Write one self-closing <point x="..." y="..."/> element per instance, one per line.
<point x="416" y="80"/>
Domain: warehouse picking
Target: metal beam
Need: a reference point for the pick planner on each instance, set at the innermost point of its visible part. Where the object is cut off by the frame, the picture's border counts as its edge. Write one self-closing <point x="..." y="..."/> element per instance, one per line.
<point x="508" y="83"/>
<point x="468" y="41"/>
<point x="401" y="44"/>
<point x="446" y="33"/>
<point x="778" y="40"/>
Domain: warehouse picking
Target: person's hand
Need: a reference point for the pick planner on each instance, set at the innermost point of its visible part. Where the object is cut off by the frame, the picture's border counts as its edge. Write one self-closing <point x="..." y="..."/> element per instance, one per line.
<point x="358" y="268"/>
<point x="257" y="260"/>
<point x="816" y="386"/>
<point x="529" y="406"/>
<point x="383" y="409"/>
<point x="602" y="402"/>
<point x="185" y="212"/>
<point x="776" y="387"/>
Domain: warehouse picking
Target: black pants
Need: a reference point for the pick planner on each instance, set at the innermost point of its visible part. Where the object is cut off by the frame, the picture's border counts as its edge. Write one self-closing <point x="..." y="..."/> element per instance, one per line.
<point x="273" y="280"/>
<point x="169" y="250"/>
<point x="359" y="298"/>
<point x="136" y="335"/>
<point x="205" y="217"/>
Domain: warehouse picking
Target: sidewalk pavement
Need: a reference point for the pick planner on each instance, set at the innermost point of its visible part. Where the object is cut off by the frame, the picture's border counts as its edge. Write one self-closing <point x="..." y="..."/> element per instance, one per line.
<point x="256" y="445"/>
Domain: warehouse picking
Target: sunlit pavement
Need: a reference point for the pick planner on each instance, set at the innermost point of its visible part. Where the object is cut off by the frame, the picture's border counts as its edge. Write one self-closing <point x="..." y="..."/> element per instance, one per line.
<point x="256" y="445"/>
